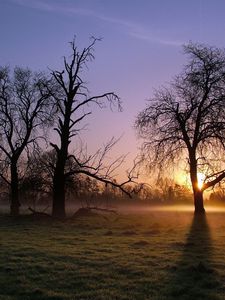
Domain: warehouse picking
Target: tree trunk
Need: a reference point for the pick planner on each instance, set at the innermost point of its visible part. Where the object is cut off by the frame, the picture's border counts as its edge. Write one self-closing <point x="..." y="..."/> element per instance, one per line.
<point x="198" y="202"/>
<point x="198" y="193"/>
<point x="15" y="204"/>
<point x="58" y="205"/>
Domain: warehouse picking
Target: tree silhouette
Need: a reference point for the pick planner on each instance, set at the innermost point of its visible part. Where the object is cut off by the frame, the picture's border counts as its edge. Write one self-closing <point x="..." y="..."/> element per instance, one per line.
<point x="25" y="108"/>
<point x="74" y="104"/>
<point x="188" y="120"/>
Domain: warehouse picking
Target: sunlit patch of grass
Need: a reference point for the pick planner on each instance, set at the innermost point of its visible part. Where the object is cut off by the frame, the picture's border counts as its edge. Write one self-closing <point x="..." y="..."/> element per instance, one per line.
<point x="160" y="255"/>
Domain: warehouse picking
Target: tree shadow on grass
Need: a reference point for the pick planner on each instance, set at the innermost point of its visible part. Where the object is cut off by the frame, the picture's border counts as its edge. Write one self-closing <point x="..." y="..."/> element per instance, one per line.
<point x="194" y="277"/>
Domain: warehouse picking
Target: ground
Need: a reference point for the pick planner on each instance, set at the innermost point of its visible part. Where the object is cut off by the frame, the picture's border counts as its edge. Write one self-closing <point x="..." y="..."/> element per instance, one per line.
<point x="149" y="255"/>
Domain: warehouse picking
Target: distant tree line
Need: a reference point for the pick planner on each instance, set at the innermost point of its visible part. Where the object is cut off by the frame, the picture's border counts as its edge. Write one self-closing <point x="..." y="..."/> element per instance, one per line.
<point x="36" y="191"/>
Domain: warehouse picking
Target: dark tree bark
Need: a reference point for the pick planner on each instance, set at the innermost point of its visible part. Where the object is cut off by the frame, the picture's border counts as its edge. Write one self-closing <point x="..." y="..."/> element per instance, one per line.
<point x="198" y="201"/>
<point x="58" y="204"/>
<point x="197" y="192"/>
<point x="15" y="204"/>
<point x="59" y="178"/>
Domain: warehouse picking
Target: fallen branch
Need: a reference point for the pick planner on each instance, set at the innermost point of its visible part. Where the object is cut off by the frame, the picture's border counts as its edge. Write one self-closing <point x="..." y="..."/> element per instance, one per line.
<point x="39" y="213"/>
<point x="102" y="209"/>
<point x="87" y="211"/>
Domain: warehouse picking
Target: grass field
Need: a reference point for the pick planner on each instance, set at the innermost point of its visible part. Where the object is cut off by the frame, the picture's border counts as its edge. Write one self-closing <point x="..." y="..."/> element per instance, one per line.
<point x="152" y="255"/>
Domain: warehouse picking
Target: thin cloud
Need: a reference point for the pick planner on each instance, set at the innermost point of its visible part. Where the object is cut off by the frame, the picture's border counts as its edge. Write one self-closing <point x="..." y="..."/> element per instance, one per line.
<point x="132" y="29"/>
<point x="154" y="39"/>
<point x="139" y="32"/>
<point x="44" y="6"/>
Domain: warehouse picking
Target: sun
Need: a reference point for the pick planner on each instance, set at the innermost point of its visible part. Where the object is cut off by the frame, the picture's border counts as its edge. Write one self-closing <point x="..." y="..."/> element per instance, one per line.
<point x="201" y="178"/>
<point x="183" y="178"/>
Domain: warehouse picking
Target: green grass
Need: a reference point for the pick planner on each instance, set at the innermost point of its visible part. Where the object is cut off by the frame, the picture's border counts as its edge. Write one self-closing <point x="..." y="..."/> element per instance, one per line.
<point x="154" y="255"/>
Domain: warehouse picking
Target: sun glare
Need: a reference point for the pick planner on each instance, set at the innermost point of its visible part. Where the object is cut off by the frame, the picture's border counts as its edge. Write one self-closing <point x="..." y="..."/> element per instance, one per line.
<point x="201" y="178"/>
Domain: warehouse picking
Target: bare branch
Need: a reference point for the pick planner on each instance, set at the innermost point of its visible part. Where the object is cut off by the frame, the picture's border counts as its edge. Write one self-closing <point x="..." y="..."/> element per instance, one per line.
<point x="187" y="120"/>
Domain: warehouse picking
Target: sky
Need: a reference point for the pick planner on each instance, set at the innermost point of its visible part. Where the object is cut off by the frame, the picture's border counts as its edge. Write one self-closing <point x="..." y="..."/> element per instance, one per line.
<point x="140" y="50"/>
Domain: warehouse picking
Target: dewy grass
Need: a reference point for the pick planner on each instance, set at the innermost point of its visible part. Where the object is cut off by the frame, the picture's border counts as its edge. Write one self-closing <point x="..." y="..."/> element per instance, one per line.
<point x="160" y="255"/>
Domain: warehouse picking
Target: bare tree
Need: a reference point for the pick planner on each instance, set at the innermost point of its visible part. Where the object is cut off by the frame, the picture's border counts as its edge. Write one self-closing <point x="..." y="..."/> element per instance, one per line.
<point x="24" y="111"/>
<point x="188" y="120"/>
<point x="74" y="105"/>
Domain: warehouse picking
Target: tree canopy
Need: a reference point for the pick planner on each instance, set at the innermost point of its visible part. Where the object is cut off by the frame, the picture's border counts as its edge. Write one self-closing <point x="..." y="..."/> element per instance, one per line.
<point x="187" y="119"/>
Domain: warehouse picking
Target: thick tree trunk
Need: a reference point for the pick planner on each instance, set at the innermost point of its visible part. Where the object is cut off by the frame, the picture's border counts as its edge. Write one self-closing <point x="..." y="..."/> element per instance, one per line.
<point x="58" y="205"/>
<point x="64" y="127"/>
<point x="197" y="192"/>
<point x="15" y="204"/>
<point x="198" y="202"/>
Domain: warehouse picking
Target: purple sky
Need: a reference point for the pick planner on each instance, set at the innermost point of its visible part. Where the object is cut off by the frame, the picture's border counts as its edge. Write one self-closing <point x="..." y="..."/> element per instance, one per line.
<point x="141" y="48"/>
